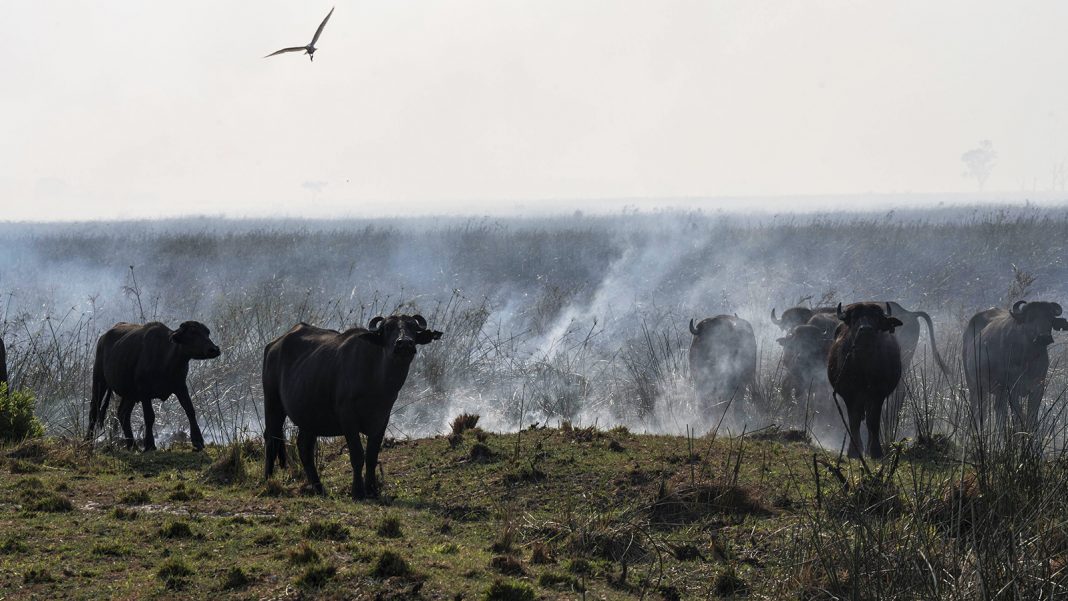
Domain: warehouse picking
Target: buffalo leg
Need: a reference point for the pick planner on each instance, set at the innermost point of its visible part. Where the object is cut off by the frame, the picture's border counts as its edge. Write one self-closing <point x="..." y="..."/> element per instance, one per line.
<point x="855" y="416"/>
<point x="356" y="459"/>
<point x="1034" y="404"/>
<point x="126" y="406"/>
<point x="872" y="418"/>
<point x="150" y="421"/>
<point x="306" y="448"/>
<point x="274" y="419"/>
<point x="195" y="436"/>
<point x="374" y="444"/>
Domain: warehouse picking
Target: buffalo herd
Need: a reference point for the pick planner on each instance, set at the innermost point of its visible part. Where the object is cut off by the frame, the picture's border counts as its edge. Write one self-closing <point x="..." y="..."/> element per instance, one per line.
<point x="330" y="383"/>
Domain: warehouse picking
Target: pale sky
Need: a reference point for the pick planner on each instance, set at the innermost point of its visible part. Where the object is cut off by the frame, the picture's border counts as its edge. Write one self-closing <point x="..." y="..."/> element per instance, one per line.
<point x="128" y="108"/>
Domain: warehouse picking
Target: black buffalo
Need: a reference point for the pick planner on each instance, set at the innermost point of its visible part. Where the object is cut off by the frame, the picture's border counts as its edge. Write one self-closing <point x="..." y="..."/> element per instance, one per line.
<point x="723" y="360"/>
<point x="804" y="359"/>
<point x="3" y="362"/>
<point x="140" y="363"/>
<point x="1005" y="356"/>
<point x="864" y="367"/>
<point x="331" y="383"/>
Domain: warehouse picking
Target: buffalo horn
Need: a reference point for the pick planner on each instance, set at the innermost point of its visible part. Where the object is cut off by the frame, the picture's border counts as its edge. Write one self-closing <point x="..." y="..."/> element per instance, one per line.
<point x="840" y="316"/>
<point x="420" y="320"/>
<point x="1016" y="307"/>
<point x="376" y="322"/>
<point x="773" y="320"/>
<point x="888" y="309"/>
<point x="1057" y="310"/>
<point x="693" y="330"/>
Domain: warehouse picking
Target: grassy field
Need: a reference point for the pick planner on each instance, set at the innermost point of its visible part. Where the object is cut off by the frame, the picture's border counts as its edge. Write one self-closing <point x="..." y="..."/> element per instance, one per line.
<point x="546" y="513"/>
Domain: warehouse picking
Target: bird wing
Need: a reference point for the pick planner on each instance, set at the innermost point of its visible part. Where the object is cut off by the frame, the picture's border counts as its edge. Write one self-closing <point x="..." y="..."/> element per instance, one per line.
<point x="321" y="26"/>
<point x="293" y="49"/>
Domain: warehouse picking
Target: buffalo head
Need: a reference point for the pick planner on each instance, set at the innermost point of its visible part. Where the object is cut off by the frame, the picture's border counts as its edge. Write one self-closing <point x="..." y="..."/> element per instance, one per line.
<point x="865" y="319"/>
<point x="400" y="334"/>
<point x="194" y="339"/>
<point x="1039" y="319"/>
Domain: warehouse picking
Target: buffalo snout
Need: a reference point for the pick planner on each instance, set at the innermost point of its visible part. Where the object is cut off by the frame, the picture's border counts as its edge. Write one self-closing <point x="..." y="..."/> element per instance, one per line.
<point x="1044" y="340"/>
<point x="404" y="346"/>
<point x="214" y="351"/>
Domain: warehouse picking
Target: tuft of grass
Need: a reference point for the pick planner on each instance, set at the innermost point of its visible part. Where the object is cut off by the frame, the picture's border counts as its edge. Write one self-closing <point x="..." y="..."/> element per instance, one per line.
<point x="17" y="421"/>
<point x="12" y="545"/>
<point x="176" y="529"/>
<point x="316" y="576"/>
<point x="335" y="531"/>
<point x="19" y="466"/>
<point x="175" y="574"/>
<point x="235" y="578"/>
<point x="558" y="581"/>
<point x="37" y="576"/>
<point x="481" y="453"/>
<point x="447" y="549"/>
<point x="460" y="424"/>
<point x="123" y="514"/>
<point x="138" y="497"/>
<point x="273" y="488"/>
<point x="184" y="493"/>
<point x="502" y="590"/>
<point x="49" y="502"/>
<point x="265" y="539"/>
<point x="389" y="527"/>
<point x="541" y="553"/>
<point x="728" y="583"/>
<point x="579" y="565"/>
<point x="390" y="564"/>
<point x="303" y="554"/>
<point x="111" y="549"/>
<point x="229" y="466"/>
<point x="508" y="565"/>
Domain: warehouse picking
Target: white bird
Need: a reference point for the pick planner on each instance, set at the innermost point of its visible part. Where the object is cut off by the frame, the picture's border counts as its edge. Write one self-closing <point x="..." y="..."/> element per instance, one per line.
<point x="310" y="48"/>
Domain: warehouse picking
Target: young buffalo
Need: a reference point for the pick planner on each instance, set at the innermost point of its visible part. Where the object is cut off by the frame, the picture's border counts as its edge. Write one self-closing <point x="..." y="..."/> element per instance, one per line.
<point x="144" y="362"/>
<point x="338" y="384"/>
<point x="864" y="366"/>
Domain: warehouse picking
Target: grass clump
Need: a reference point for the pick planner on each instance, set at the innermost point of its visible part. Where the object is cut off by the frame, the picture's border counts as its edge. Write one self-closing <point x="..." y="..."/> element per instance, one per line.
<point x="174" y="574"/>
<point x="560" y="581"/>
<point x="389" y="527"/>
<point x="111" y="550"/>
<point x="460" y="424"/>
<point x="235" y="578"/>
<point x="184" y="493"/>
<point x="37" y="576"/>
<point x="502" y="590"/>
<point x="729" y="583"/>
<point x="390" y="564"/>
<point x="335" y="531"/>
<point x="447" y="549"/>
<point x="18" y="466"/>
<point x="507" y="564"/>
<point x="316" y="576"/>
<point x="138" y="497"/>
<point x="48" y="502"/>
<point x="176" y="529"/>
<point x="304" y="554"/>
<point x="123" y="514"/>
<point x="229" y="466"/>
<point x="12" y="545"/>
<point x="17" y="421"/>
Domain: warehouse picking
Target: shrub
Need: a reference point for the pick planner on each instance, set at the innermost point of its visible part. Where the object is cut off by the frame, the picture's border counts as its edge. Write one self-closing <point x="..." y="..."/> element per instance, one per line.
<point x="501" y="590"/>
<point x="390" y="527"/>
<point x="17" y="421"/>
<point x="391" y="564"/>
<point x="326" y="531"/>
<point x="174" y="574"/>
<point x="229" y="466"/>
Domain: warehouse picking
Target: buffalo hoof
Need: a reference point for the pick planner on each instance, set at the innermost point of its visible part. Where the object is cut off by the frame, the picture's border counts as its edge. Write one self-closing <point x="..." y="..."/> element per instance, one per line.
<point x="198" y="446"/>
<point x="149" y="448"/>
<point x="316" y="489"/>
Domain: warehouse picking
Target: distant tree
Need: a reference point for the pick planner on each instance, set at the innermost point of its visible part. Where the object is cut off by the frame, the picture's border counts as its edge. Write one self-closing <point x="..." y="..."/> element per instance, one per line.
<point x="980" y="162"/>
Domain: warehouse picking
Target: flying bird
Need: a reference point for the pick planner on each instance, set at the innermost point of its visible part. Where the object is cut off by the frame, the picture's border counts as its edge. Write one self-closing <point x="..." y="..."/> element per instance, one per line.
<point x="310" y="48"/>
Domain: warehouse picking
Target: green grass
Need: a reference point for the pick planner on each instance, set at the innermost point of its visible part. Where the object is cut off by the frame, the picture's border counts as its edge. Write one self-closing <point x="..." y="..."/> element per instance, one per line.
<point x="610" y="522"/>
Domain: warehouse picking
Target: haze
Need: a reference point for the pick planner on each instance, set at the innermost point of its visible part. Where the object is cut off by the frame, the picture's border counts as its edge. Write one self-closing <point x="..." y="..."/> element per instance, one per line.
<point x="127" y="109"/>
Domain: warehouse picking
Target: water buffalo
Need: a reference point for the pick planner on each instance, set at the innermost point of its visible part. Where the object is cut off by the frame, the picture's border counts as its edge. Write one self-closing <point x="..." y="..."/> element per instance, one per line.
<point x="804" y="359"/>
<point x="331" y="383"/>
<point x="723" y="360"/>
<point x="1005" y="356"/>
<point x="3" y="362"/>
<point x="864" y="367"/>
<point x="140" y="363"/>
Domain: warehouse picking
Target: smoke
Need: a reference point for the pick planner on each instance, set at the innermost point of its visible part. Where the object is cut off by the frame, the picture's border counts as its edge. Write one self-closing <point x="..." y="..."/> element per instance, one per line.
<point x="582" y="319"/>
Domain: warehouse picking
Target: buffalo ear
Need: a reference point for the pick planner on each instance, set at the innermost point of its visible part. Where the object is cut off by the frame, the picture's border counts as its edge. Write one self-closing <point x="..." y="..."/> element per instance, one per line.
<point x="781" y="341"/>
<point x="427" y="336"/>
<point x="178" y="336"/>
<point x="891" y="323"/>
<point x="1060" y="324"/>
